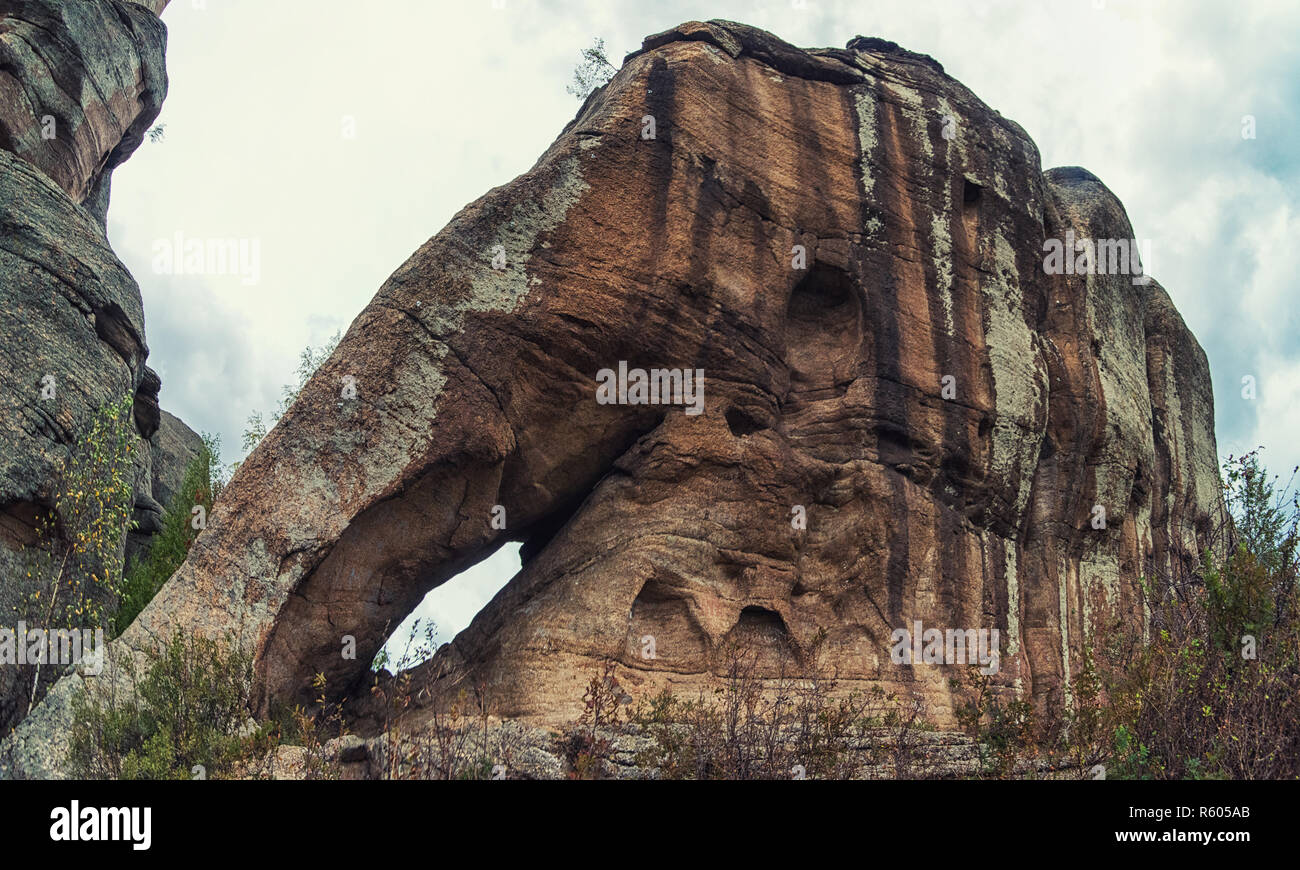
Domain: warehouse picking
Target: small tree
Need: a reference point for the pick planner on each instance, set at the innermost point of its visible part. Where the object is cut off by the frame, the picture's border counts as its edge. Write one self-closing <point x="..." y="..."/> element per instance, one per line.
<point x="75" y="568"/>
<point x="309" y="361"/>
<point x="593" y="72"/>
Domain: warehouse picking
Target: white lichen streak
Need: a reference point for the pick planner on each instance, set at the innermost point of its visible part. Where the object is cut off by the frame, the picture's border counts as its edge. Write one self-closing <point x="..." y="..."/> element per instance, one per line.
<point x="1013" y="602"/>
<point x="1017" y="388"/>
<point x="1064" y="613"/>
<point x="864" y="99"/>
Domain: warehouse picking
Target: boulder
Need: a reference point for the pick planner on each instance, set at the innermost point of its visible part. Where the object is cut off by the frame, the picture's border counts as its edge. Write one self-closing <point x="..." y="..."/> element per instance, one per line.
<point x="80" y="84"/>
<point x="906" y="419"/>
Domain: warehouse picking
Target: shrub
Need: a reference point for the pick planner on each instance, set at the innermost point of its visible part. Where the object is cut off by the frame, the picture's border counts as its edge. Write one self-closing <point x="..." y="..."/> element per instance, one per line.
<point x="756" y="727"/>
<point x="74" y="570"/>
<point x="185" y="714"/>
<point x="171" y="545"/>
<point x="428" y="730"/>
<point x="1216" y="693"/>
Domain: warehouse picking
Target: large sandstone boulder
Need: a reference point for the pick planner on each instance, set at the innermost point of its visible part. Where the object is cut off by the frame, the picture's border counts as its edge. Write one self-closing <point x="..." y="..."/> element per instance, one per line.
<point x="72" y="333"/>
<point x="905" y="417"/>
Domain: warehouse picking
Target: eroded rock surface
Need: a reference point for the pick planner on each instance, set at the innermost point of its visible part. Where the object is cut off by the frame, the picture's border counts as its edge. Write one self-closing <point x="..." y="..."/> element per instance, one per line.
<point x="945" y="415"/>
<point x="72" y="333"/>
<point x="81" y="81"/>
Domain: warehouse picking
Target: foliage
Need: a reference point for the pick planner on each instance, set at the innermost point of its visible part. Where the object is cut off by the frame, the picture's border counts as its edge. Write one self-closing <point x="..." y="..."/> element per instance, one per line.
<point x="768" y="727"/>
<point x="1264" y="514"/>
<point x="1003" y="729"/>
<point x="309" y="360"/>
<point x="601" y="703"/>
<point x="428" y="732"/>
<point x="74" y="570"/>
<point x="593" y="72"/>
<point x="186" y="712"/>
<point x="180" y="527"/>
<point x="1216" y="694"/>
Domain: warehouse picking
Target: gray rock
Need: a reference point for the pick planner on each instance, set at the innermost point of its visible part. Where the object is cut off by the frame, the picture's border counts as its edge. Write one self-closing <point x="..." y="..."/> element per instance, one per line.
<point x="91" y="78"/>
<point x="174" y="447"/>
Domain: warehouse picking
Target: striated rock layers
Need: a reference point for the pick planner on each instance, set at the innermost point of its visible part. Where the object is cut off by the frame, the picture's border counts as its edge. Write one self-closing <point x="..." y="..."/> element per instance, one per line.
<point x="905" y="418"/>
<point x="80" y="82"/>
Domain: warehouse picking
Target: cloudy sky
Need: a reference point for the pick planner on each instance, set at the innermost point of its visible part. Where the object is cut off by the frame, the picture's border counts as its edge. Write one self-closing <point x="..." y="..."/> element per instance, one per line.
<point x="339" y="136"/>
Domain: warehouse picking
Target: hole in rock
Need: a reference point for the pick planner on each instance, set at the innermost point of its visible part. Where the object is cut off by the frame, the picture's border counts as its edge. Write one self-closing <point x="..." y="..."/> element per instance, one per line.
<point x="971" y="192"/>
<point x="661" y="622"/>
<point x="741" y="424"/>
<point x="760" y="637"/>
<point x="823" y="328"/>
<point x="448" y="609"/>
<point x="540" y="533"/>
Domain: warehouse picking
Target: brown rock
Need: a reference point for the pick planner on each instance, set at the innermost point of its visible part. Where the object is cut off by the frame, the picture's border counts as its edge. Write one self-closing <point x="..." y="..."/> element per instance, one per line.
<point x="945" y="414"/>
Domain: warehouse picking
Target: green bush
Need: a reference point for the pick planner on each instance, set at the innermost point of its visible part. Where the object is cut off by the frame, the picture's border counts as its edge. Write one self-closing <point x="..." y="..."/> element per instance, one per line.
<point x="187" y="711"/>
<point x="752" y="727"/>
<point x="170" y="546"/>
<point x="1216" y="693"/>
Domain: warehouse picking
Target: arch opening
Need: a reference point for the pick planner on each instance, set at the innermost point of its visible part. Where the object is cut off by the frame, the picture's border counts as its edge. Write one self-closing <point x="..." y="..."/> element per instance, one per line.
<point x="447" y="610"/>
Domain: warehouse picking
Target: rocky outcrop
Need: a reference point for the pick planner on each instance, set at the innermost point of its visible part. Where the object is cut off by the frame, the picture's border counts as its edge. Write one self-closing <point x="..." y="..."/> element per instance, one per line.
<point x="172" y="450"/>
<point x="80" y="82"/>
<point x="906" y="415"/>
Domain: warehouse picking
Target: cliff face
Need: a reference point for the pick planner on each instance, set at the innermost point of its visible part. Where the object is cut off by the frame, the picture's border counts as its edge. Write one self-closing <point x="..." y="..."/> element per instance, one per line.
<point x="906" y="417"/>
<point x="80" y="82"/>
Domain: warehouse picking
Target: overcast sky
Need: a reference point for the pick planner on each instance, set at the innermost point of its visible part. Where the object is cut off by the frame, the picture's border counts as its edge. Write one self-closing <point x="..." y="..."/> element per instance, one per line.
<point x="449" y="99"/>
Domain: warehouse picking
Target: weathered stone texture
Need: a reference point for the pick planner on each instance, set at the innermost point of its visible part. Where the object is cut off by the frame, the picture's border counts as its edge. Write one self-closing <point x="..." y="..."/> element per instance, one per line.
<point x="71" y="319"/>
<point x="81" y="81"/>
<point x="923" y="215"/>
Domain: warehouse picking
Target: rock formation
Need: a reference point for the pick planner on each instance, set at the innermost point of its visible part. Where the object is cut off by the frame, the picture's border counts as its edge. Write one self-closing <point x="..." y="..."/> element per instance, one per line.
<point x="80" y="82"/>
<point x="906" y="417"/>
